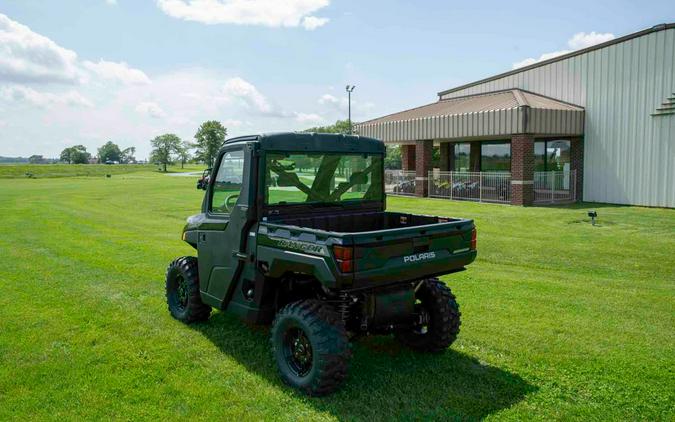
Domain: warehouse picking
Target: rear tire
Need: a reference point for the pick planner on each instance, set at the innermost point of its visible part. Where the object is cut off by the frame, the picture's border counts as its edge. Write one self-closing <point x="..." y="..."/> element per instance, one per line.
<point x="442" y="312"/>
<point x="182" y="291"/>
<point x="310" y="346"/>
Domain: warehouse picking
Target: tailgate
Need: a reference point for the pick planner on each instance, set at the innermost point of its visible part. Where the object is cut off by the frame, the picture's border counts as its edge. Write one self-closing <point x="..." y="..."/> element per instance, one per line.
<point x="410" y="253"/>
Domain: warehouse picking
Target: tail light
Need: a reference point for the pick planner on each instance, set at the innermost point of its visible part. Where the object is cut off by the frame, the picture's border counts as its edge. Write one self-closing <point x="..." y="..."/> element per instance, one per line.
<point x="473" y="239"/>
<point x="345" y="258"/>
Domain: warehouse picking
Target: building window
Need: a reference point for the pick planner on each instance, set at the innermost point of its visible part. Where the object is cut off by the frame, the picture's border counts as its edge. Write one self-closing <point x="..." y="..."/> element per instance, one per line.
<point x="553" y="155"/>
<point x="462" y="152"/>
<point x="495" y="156"/>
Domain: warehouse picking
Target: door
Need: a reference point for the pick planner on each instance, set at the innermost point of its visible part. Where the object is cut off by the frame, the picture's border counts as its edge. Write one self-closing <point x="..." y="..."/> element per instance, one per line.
<point x="220" y="236"/>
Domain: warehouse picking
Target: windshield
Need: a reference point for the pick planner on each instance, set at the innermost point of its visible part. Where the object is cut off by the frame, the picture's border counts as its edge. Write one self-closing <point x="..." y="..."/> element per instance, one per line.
<point x="293" y="178"/>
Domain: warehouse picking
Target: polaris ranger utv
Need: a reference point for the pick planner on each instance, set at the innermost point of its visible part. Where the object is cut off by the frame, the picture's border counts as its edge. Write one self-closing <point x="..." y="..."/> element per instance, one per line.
<point x="293" y="231"/>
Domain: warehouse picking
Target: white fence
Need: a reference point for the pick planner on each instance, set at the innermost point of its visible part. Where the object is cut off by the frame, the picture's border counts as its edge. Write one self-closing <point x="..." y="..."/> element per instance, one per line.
<point x="399" y="182"/>
<point x="471" y="186"/>
<point x="555" y="186"/>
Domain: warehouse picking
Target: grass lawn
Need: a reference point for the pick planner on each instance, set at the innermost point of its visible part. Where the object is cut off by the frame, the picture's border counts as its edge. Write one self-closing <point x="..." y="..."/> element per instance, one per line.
<point x="561" y="320"/>
<point x="41" y="171"/>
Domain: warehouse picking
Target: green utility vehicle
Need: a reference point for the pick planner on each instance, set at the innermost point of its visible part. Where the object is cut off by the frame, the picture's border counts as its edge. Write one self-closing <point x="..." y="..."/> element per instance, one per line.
<point x="293" y="232"/>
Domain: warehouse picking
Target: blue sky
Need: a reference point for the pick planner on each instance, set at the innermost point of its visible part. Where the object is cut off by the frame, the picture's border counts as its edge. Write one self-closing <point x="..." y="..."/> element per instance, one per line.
<point x="89" y="71"/>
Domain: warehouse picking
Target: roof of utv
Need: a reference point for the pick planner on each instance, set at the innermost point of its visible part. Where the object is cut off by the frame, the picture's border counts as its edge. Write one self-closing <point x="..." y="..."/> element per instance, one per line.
<point x="312" y="142"/>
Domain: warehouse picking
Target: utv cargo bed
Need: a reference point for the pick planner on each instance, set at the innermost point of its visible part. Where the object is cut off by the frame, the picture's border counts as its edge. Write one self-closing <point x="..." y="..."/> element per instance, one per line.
<point x="388" y="247"/>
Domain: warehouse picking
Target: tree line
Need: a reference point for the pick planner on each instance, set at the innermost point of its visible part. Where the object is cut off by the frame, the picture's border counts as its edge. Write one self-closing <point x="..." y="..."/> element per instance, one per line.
<point x="169" y="148"/>
<point x="166" y="149"/>
<point x="108" y="153"/>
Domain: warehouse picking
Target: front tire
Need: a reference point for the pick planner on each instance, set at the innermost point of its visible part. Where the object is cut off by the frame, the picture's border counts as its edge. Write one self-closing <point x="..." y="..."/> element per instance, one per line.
<point x="441" y="317"/>
<point x="310" y="346"/>
<point x="182" y="291"/>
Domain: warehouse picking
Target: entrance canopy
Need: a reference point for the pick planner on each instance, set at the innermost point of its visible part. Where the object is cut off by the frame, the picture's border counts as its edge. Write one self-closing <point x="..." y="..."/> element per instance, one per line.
<point x="497" y="114"/>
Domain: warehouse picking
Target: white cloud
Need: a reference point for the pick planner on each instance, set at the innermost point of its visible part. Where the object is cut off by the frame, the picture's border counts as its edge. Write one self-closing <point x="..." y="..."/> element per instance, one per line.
<point x="308" y="118"/>
<point x="340" y="105"/>
<point x="18" y="93"/>
<point x="28" y="57"/>
<point x="51" y="96"/>
<point x="151" y="109"/>
<point x="111" y="2"/>
<point x="578" y="41"/>
<point x="117" y="71"/>
<point x="272" y="13"/>
<point x="245" y="93"/>
<point x="541" y="58"/>
<point x="582" y="40"/>
<point x="330" y="99"/>
<point x="310" y="23"/>
<point x="249" y="95"/>
<point x="230" y="123"/>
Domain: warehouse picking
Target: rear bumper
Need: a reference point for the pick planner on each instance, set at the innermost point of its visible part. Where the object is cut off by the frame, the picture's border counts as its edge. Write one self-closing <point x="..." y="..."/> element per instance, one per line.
<point x="401" y="269"/>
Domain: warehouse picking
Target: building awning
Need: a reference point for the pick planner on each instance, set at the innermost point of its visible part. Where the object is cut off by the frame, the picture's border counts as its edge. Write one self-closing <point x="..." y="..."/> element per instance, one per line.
<point x="498" y="114"/>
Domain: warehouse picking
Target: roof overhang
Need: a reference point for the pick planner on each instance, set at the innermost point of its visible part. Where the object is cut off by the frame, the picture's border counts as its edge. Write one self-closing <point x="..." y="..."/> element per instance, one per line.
<point x="498" y="114"/>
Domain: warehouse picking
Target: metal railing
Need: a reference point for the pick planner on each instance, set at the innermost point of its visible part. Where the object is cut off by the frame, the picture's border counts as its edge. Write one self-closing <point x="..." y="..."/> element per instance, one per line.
<point x="555" y="186"/>
<point x="549" y="187"/>
<point x="471" y="186"/>
<point x="399" y="182"/>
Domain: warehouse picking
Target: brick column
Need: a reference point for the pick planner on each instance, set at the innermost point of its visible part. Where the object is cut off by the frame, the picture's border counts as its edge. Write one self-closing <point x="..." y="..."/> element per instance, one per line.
<point x="577" y="163"/>
<point x="408" y="157"/>
<point x="423" y="155"/>
<point x="447" y="152"/>
<point x="522" y="169"/>
<point x="474" y="156"/>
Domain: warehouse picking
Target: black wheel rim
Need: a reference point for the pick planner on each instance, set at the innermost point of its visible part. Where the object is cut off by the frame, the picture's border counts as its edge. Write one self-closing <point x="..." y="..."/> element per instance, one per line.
<point x="424" y="322"/>
<point x="297" y="351"/>
<point x="181" y="293"/>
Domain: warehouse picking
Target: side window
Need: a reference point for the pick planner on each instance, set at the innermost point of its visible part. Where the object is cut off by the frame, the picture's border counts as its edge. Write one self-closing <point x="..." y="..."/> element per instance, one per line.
<point x="227" y="186"/>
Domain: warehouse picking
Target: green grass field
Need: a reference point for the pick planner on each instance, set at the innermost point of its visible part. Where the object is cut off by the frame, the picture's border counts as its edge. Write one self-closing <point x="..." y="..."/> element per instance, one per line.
<point x="41" y="171"/>
<point x="560" y="319"/>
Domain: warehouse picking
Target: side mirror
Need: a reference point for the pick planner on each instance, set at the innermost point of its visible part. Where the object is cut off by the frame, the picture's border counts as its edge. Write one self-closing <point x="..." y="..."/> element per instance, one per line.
<point x="203" y="182"/>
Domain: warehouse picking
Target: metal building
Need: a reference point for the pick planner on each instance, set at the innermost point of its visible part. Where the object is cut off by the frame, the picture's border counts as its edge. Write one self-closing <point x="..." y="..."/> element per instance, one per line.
<point x="596" y="124"/>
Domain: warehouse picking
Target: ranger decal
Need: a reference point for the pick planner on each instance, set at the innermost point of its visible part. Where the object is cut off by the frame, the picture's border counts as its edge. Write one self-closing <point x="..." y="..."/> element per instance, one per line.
<point x="297" y="245"/>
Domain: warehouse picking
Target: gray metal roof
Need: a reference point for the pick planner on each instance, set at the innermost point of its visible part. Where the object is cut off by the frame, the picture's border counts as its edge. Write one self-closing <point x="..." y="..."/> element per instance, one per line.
<point x="498" y="100"/>
<point x="495" y="115"/>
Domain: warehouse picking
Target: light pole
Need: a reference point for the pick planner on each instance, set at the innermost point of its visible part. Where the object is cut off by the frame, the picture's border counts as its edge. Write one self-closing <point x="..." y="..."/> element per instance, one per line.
<point x="349" y="90"/>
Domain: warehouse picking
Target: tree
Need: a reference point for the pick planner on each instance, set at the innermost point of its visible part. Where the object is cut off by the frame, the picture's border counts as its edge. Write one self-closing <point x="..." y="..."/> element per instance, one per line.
<point x="184" y="153"/>
<point x="36" y="159"/>
<point x="208" y="140"/>
<point x="163" y="147"/>
<point x="340" y="126"/>
<point x="127" y="155"/>
<point x="393" y="158"/>
<point x="109" y="152"/>
<point x="75" y="155"/>
<point x="65" y="155"/>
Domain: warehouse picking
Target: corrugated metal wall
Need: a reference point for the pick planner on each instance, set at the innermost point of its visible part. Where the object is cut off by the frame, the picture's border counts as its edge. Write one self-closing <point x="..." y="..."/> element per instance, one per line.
<point x="629" y="154"/>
